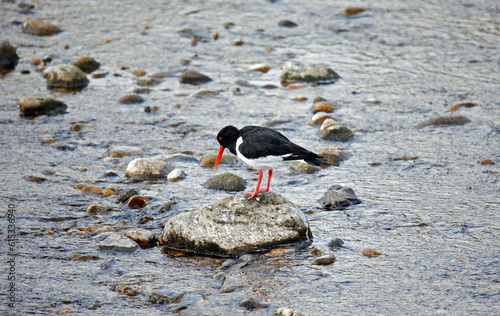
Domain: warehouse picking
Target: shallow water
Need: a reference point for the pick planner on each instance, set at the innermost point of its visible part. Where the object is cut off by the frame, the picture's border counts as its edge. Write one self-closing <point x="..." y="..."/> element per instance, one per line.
<point x="435" y="219"/>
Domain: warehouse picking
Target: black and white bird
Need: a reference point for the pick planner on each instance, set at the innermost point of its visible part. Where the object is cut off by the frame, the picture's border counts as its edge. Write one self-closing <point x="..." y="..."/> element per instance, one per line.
<point x="263" y="149"/>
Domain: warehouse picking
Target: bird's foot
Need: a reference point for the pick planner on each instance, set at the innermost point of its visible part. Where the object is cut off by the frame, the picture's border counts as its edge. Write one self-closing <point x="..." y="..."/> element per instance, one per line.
<point x="252" y="194"/>
<point x="264" y="190"/>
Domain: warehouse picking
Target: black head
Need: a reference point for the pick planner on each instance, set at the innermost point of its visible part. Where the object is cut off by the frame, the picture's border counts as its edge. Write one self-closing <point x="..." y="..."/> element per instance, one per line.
<point x="227" y="137"/>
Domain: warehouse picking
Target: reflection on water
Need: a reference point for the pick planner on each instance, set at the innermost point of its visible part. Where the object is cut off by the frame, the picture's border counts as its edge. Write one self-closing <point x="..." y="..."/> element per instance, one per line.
<point x="434" y="218"/>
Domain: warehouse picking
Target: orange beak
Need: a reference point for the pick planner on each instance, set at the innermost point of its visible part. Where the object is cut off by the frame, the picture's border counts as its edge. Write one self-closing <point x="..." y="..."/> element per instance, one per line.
<point x="219" y="155"/>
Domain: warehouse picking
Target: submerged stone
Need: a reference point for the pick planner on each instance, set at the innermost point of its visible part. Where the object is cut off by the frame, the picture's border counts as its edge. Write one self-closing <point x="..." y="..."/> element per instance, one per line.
<point x="445" y="120"/>
<point x="313" y="73"/>
<point x="118" y="242"/>
<point x="236" y="225"/>
<point x="338" y="197"/>
<point x="193" y="77"/>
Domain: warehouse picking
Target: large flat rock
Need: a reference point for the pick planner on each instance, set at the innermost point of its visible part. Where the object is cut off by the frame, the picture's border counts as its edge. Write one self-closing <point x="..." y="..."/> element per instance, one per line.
<point x="236" y="225"/>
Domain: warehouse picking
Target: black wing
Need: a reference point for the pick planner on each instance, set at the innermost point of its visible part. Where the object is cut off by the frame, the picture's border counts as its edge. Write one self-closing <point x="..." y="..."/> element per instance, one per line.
<point x="261" y="141"/>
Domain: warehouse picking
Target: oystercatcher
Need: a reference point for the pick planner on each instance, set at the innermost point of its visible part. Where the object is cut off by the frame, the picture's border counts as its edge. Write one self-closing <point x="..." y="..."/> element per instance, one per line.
<point x="261" y="148"/>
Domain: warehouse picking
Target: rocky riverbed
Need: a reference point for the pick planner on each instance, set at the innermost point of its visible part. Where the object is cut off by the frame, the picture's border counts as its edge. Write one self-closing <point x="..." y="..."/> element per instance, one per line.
<point x="108" y="117"/>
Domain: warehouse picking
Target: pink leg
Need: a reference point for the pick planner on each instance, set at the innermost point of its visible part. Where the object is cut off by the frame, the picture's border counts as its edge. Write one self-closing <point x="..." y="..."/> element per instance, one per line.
<point x="254" y="193"/>
<point x="269" y="173"/>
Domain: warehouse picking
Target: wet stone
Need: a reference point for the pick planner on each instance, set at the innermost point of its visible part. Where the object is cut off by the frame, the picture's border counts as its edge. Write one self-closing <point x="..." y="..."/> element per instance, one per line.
<point x="65" y="76"/>
<point x="122" y="151"/>
<point x="176" y="175"/>
<point x="148" y="82"/>
<point x="236" y="225"/>
<point x="352" y="11"/>
<point x="34" y="26"/>
<point x="180" y="158"/>
<point x="33" y="106"/>
<point x="445" y="120"/>
<point x="251" y="304"/>
<point x="319" y="117"/>
<point x="332" y="130"/>
<point x="259" y="67"/>
<point x="141" y="169"/>
<point x="193" y="77"/>
<point x="164" y="297"/>
<point x="337" y="242"/>
<point x="370" y="253"/>
<point x="141" y="236"/>
<point x="94" y="209"/>
<point x="137" y="201"/>
<point x="312" y="73"/>
<point x="118" y="242"/>
<point x="35" y="178"/>
<point x="337" y="197"/>
<point x="323" y="260"/>
<point x="87" y="64"/>
<point x="331" y="155"/>
<point x="226" y="182"/>
<point x="287" y="23"/>
<point x="8" y="57"/>
<point x="284" y="311"/>
<point x="131" y="99"/>
<point x="324" y="106"/>
<point x="457" y="106"/>
<point x="208" y="160"/>
<point x="138" y="72"/>
<point x="301" y="167"/>
<point x="126" y="195"/>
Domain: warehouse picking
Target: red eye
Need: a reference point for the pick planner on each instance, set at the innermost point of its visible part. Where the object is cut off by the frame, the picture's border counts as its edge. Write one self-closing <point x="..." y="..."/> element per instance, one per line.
<point x="220" y="138"/>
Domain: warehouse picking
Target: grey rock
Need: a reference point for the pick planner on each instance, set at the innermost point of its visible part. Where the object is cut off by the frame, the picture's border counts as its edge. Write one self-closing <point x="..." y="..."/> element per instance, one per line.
<point x="118" y="242"/>
<point x="193" y="77"/>
<point x="8" y="57"/>
<point x="226" y="182"/>
<point x="445" y="120"/>
<point x="313" y="73"/>
<point x="33" y="106"/>
<point x="332" y="130"/>
<point x="236" y="225"/>
<point x="337" y="242"/>
<point x="65" y="76"/>
<point x="126" y="195"/>
<point x="147" y="169"/>
<point x="338" y="197"/>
